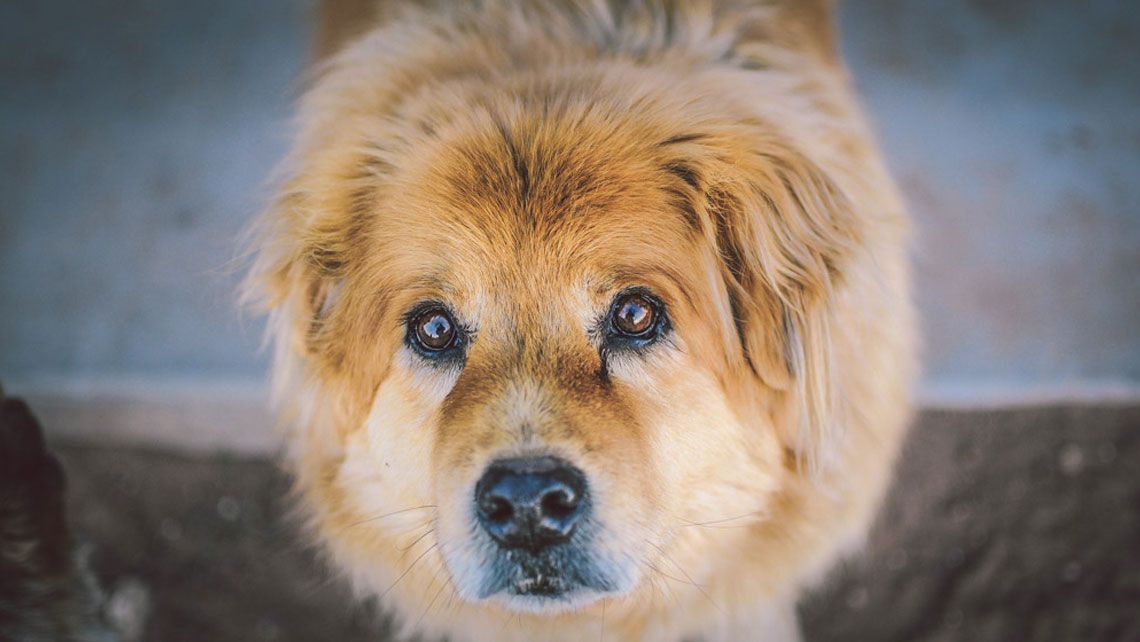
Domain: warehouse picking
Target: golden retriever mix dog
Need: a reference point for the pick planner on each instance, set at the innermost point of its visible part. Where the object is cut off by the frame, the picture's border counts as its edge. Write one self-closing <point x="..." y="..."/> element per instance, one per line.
<point x="591" y="316"/>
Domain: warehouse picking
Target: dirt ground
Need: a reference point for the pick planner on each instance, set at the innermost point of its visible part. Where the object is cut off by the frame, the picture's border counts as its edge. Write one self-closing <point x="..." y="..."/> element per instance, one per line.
<point x="1003" y="525"/>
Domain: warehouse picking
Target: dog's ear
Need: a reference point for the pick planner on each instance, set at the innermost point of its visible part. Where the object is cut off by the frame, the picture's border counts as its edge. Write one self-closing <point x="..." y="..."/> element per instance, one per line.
<point x="298" y="273"/>
<point x="784" y="231"/>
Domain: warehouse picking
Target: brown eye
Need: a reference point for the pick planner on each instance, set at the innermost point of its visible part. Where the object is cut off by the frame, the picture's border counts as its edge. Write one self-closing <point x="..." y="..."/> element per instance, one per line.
<point x="434" y="330"/>
<point x="635" y="316"/>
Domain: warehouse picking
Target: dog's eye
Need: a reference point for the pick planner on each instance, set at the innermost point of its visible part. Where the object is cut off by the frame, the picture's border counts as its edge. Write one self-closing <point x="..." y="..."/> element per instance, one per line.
<point x="434" y="330"/>
<point x="634" y="316"/>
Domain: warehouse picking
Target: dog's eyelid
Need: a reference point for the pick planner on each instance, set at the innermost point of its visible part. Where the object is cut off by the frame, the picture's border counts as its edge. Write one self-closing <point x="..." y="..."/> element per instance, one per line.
<point x="659" y="303"/>
<point x="424" y="305"/>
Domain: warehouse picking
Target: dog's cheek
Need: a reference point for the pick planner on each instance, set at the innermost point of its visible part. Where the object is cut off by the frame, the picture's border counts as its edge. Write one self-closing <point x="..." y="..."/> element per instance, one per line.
<point x="718" y="472"/>
<point x="387" y="465"/>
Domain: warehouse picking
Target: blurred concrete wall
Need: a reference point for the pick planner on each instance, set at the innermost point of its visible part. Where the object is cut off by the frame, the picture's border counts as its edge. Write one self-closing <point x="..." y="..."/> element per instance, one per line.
<point x="1012" y="127"/>
<point x="136" y="139"/>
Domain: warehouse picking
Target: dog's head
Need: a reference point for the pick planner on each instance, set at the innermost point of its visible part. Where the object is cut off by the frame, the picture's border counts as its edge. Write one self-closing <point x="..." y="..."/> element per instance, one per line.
<point x="539" y="331"/>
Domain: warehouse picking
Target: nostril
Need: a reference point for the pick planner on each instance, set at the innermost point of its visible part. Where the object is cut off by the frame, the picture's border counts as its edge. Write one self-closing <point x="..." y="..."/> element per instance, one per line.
<point x="497" y="509"/>
<point x="559" y="503"/>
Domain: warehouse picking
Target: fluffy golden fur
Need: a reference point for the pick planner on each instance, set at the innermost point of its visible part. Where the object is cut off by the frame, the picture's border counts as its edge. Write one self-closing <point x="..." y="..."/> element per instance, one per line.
<point x="523" y="162"/>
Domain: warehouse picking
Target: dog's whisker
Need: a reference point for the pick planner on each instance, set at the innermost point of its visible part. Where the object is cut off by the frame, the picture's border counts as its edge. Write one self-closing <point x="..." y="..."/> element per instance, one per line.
<point x="675" y="579"/>
<point x="663" y="588"/>
<point x="406" y="550"/>
<point x="716" y="522"/>
<point x="450" y="600"/>
<point x="511" y="619"/>
<point x="687" y="576"/>
<point x="430" y="585"/>
<point x="435" y="597"/>
<point x="602" y="637"/>
<point x="648" y="599"/>
<point x="395" y="512"/>
<point x="669" y="594"/>
<point x="406" y="571"/>
<point x="417" y="540"/>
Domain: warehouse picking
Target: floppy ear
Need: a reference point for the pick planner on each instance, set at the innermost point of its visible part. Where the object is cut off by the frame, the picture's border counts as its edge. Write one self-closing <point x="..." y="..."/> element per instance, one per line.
<point x="784" y="232"/>
<point x="297" y="274"/>
<point x="305" y="253"/>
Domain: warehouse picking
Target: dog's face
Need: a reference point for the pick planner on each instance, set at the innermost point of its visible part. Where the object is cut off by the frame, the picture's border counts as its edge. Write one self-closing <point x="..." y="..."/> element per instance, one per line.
<point x="548" y="344"/>
<point x="556" y="346"/>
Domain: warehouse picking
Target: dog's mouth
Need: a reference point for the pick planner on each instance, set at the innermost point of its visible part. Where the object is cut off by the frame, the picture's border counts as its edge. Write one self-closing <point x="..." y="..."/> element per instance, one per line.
<point x="540" y="585"/>
<point x="534" y="575"/>
<point x="559" y="574"/>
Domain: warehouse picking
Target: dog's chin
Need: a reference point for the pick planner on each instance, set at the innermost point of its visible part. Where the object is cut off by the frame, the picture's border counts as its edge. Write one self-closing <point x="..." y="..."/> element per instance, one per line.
<point x="545" y="598"/>
<point x="545" y="583"/>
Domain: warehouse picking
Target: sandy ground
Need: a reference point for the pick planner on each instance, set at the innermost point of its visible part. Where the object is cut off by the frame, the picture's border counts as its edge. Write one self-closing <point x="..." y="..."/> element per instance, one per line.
<point x="1004" y="525"/>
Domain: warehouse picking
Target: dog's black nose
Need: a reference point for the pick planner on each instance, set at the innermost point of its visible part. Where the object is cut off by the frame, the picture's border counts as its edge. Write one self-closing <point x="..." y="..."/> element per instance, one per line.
<point x="531" y="502"/>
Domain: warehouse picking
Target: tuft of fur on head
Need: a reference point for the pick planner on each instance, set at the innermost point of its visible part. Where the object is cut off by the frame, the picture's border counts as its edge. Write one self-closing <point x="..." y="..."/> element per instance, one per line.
<point x="521" y="163"/>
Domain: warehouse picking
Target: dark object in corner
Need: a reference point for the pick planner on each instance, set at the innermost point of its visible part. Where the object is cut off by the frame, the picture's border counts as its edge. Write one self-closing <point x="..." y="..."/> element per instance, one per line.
<point x="46" y="594"/>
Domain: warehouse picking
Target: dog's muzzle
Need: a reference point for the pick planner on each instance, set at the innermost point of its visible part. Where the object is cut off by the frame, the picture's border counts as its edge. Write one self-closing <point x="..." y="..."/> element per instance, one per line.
<point x="536" y="512"/>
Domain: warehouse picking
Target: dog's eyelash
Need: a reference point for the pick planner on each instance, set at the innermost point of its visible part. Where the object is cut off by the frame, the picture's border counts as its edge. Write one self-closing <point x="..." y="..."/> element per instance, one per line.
<point x="469" y="331"/>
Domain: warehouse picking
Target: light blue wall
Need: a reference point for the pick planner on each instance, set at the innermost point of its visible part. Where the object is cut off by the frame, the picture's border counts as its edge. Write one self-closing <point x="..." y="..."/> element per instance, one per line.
<point x="1013" y="128"/>
<point x="136" y="139"/>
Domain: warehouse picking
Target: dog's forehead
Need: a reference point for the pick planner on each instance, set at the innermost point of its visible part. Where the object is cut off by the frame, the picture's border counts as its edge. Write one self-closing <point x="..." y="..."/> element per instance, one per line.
<point x="533" y="210"/>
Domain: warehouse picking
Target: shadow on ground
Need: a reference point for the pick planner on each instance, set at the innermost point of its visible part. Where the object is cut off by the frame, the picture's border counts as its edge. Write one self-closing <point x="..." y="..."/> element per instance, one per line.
<point x="1004" y="525"/>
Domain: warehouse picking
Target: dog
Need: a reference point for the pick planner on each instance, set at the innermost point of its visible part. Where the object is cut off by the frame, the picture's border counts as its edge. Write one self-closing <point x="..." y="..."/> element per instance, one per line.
<point x="591" y="318"/>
